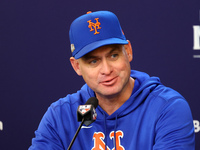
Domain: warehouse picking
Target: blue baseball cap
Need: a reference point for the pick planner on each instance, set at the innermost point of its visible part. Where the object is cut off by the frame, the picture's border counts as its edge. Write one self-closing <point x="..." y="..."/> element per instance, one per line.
<point x="93" y="30"/>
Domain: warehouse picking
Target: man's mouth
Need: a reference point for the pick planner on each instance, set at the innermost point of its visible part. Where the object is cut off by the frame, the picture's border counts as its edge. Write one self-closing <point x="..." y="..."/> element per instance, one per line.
<point x="109" y="82"/>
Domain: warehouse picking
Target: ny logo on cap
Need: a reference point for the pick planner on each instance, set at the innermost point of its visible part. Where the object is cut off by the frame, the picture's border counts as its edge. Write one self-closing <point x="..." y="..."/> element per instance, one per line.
<point x="94" y="26"/>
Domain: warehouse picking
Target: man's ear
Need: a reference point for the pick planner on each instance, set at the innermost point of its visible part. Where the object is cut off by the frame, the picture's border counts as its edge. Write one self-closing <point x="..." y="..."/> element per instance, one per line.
<point x="129" y="51"/>
<point x="75" y="65"/>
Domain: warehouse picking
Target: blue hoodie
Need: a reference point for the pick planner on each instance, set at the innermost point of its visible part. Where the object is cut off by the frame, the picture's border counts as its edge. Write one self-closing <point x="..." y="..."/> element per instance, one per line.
<point x="155" y="117"/>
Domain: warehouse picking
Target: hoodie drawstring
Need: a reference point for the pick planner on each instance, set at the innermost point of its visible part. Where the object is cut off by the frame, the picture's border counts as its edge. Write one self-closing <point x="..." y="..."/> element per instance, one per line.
<point x="105" y="130"/>
<point x="115" y="132"/>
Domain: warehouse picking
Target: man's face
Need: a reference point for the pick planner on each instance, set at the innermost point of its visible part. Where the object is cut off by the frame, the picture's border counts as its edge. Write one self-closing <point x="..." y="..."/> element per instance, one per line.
<point x="106" y="70"/>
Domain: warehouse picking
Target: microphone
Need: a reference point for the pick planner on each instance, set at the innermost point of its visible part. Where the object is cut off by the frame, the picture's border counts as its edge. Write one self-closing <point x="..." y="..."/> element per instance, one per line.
<point x="87" y="111"/>
<point x="86" y="114"/>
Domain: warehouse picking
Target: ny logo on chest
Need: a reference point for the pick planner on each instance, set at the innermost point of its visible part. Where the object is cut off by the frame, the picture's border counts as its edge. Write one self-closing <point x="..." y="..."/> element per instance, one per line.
<point x="99" y="143"/>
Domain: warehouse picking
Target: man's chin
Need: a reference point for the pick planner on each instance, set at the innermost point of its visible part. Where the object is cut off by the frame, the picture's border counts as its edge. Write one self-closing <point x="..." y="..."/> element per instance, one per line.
<point x="108" y="93"/>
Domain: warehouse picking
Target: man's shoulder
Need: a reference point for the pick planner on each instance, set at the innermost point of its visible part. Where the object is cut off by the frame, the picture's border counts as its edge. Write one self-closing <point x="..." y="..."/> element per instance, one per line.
<point x="77" y="98"/>
<point x="167" y="93"/>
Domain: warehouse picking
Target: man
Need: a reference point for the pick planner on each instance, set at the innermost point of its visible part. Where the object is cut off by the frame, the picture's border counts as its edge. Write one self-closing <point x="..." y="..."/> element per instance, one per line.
<point x="135" y="112"/>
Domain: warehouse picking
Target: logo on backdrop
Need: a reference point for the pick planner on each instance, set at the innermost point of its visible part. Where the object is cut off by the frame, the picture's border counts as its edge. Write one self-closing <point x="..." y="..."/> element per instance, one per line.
<point x="196" y="126"/>
<point x="1" y="126"/>
<point x="196" y="30"/>
<point x="196" y="39"/>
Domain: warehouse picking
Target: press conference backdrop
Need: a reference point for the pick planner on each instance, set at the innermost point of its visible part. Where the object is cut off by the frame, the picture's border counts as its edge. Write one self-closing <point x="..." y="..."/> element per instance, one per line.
<point x="35" y="50"/>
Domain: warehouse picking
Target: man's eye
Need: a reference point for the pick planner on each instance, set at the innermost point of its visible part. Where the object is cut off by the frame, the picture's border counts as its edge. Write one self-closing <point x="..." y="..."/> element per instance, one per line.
<point x="114" y="55"/>
<point x="93" y="62"/>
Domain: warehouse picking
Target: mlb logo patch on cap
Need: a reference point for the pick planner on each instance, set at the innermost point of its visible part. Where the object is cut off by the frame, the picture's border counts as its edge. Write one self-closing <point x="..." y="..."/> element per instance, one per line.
<point x="93" y="30"/>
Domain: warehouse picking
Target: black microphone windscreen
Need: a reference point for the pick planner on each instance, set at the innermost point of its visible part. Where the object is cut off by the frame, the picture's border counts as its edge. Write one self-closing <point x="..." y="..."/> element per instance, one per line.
<point x="94" y="101"/>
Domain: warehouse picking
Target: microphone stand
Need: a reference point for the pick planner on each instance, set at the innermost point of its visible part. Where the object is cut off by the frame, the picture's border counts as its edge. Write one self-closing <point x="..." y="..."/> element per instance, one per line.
<point x="76" y="134"/>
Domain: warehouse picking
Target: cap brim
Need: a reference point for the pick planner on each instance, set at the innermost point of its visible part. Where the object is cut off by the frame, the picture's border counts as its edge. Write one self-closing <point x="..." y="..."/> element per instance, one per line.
<point x="97" y="44"/>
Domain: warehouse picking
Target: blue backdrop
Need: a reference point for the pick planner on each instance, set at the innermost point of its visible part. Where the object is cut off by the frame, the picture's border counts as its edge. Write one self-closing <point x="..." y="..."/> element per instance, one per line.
<point x="35" y="50"/>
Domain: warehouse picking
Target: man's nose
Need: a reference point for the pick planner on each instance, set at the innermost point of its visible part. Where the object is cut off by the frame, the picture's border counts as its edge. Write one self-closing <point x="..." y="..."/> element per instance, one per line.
<point x="106" y="67"/>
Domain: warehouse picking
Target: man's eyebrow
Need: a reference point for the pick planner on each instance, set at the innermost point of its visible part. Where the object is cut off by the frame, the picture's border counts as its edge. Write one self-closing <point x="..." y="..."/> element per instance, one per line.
<point x="115" y="48"/>
<point x="89" y="56"/>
